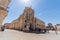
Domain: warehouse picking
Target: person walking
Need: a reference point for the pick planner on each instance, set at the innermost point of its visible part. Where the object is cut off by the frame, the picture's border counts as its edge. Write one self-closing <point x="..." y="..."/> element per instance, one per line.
<point x="55" y="29"/>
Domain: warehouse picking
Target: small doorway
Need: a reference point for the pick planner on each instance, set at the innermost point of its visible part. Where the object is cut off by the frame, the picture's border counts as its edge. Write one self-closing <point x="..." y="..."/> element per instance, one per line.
<point x="30" y="28"/>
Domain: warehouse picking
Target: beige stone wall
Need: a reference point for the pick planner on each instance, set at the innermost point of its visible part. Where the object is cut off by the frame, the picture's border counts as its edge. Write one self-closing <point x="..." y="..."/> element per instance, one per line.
<point x="3" y="10"/>
<point x="3" y="14"/>
<point x="4" y="3"/>
<point x="16" y="24"/>
<point x="40" y="23"/>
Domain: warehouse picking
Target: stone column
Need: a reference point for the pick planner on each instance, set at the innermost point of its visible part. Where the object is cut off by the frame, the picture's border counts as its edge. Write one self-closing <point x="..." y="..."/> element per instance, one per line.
<point x="3" y="14"/>
<point x="3" y="10"/>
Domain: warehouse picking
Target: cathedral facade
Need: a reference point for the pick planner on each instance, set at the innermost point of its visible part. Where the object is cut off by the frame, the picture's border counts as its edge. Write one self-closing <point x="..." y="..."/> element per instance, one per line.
<point x="26" y="21"/>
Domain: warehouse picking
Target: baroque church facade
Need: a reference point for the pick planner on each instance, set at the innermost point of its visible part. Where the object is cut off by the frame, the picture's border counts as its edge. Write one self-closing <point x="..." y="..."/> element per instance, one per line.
<point x="26" y="21"/>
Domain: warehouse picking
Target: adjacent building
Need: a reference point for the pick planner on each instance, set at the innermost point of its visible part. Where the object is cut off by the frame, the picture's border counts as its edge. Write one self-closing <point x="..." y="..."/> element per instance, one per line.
<point x="3" y="10"/>
<point x="58" y="27"/>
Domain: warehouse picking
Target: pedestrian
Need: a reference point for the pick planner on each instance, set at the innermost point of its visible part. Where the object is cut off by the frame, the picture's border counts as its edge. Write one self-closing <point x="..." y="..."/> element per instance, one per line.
<point x="55" y="29"/>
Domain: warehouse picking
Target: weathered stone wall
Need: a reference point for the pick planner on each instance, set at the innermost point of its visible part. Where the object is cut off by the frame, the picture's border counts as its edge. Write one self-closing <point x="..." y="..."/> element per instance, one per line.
<point x="3" y="14"/>
<point x="3" y="10"/>
<point x="4" y="3"/>
<point x="39" y="24"/>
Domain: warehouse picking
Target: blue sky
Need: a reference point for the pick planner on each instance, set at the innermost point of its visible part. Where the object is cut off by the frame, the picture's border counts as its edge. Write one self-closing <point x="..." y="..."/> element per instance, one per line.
<point x="46" y="10"/>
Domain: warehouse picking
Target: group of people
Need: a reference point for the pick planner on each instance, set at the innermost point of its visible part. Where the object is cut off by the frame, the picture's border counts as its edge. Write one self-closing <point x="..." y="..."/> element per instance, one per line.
<point x="54" y="28"/>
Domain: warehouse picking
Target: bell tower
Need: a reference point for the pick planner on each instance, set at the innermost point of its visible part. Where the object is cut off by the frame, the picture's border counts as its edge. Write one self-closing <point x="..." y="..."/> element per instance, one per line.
<point x="3" y="10"/>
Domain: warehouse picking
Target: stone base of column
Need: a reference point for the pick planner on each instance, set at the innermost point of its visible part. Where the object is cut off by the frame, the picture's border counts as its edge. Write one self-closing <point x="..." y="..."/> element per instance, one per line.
<point x="3" y="14"/>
